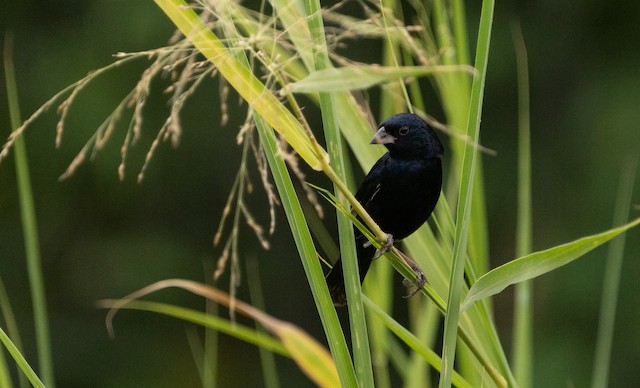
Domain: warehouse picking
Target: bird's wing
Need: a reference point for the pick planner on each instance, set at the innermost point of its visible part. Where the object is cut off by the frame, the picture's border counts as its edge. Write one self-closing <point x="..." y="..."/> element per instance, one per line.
<point x="371" y="184"/>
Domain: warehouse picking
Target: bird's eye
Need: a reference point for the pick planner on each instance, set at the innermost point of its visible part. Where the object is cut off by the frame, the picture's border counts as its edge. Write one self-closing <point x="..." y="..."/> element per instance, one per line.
<point x="403" y="131"/>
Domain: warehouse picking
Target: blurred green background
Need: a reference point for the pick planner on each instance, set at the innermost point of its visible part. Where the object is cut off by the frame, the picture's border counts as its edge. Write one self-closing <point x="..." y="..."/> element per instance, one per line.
<point x="102" y="238"/>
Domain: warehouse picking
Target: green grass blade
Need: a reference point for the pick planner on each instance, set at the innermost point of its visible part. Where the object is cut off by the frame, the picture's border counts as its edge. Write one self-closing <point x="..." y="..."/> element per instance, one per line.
<point x="308" y="256"/>
<point x="425" y="323"/>
<point x="428" y="252"/>
<point x="12" y="327"/>
<point x="358" y="325"/>
<point x="20" y="360"/>
<point x="538" y="263"/>
<point x="460" y="31"/>
<point x="5" y="375"/>
<point x="294" y="213"/>
<point x="456" y="283"/>
<point x="379" y="283"/>
<point x="225" y="326"/>
<point x="312" y="358"/>
<point x="29" y="227"/>
<point x="609" y="302"/>
<point x="292" y="13"/>
<point x="522" y="348"/>
<point x="413" y="342"/>
<point x="363" y="77"/>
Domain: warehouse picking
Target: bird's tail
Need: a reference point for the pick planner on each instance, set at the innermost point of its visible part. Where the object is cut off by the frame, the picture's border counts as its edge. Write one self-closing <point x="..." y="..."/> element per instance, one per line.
<point x="335" y="282"/>
<point x="335" y="278"/>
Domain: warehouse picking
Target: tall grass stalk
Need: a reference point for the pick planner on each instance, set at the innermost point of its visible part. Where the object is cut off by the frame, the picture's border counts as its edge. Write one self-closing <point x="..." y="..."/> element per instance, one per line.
<point x="304" y="242"/>
<point x="609" y="301"/>
<point x="29" y="226"/>
<point x="330" y="123"/>
<point x="522" y="348"/>
<point x="465" y="196"/>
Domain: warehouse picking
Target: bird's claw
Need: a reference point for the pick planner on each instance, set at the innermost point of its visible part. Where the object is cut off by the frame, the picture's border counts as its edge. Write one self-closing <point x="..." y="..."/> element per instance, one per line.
<point x="385" y="248"/>
<point x="421" y="280"/>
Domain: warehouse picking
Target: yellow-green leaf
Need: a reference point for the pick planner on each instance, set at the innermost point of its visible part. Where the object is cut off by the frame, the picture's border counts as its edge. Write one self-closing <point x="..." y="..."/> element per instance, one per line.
<point x="312" y="358"/>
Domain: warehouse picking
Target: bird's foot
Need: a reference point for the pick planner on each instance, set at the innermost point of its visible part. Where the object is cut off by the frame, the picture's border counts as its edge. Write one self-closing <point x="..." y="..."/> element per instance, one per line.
<point x="385" y="248"/>
<point x="421" y="280"/>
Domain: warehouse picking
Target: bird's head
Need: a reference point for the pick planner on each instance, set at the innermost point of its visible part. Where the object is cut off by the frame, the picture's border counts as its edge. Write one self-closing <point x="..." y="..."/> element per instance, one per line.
<point x="408" y="136"/>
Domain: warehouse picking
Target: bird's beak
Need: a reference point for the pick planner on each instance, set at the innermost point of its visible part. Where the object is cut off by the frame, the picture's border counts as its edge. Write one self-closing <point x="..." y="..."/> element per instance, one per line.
<point x="382" y="137"/>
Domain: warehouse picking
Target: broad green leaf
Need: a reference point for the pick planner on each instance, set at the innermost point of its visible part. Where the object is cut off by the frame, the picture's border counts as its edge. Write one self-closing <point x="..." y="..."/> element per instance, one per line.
<point x="538" y="263"/>
<point x="362" y="77"/>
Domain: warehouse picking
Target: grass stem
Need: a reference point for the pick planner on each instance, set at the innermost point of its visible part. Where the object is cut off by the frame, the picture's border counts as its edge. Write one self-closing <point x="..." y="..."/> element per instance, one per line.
<point x="29" y="227"/>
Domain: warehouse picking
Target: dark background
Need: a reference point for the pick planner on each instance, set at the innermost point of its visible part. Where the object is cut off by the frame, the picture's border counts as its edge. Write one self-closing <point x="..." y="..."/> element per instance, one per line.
<point x="102" y="238"/>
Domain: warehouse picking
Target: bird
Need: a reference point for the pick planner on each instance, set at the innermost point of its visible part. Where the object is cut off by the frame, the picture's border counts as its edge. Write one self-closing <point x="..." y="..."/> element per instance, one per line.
<point x="399" y="192"/>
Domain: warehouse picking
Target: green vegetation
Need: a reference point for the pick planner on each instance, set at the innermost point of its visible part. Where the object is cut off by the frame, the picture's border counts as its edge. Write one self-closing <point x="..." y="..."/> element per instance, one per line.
<point x="303" y="120"/>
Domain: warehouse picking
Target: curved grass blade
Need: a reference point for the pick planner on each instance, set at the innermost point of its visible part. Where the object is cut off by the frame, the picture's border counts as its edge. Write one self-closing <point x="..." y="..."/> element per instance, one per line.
<point x="234" y="329"/>
<point x="538" y="263"/>
<point x="20" y="360"/>
<point x="312" y="358"/>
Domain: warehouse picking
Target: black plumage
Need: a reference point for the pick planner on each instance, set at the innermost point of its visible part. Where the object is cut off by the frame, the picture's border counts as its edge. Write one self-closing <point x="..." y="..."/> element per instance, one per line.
<point x="399" y="192"/>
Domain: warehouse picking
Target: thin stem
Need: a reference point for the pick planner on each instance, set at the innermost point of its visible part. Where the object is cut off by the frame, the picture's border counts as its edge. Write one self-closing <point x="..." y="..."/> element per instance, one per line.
<point x="29" y="227"/>
<point x="523" y="309"/>
<point x="609" y="301"/>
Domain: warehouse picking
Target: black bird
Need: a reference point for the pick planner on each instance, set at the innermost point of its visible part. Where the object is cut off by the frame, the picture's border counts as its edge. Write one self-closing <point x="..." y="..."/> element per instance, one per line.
<point x="399" y="192"/>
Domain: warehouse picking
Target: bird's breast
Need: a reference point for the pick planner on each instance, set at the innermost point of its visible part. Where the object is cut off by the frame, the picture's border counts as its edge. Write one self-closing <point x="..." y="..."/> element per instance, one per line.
<point x="407" y="194"/>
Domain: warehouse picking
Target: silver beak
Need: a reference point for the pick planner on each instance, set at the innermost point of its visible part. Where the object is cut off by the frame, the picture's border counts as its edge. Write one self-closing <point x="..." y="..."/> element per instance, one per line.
<point x="382" y="137"/>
